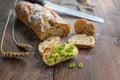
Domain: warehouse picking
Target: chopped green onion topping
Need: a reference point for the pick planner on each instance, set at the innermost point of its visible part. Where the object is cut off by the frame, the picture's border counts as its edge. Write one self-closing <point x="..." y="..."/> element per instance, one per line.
<point x="50" y="60"/>
<point x="62" y="47"/>
<point x="72" y="65"/>
<point x="80" y="65"/>
<point x="63" y="51"/>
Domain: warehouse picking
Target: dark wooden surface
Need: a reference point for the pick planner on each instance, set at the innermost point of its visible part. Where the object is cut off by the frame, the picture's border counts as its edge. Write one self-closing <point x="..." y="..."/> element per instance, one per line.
<point x="100" y="63"/>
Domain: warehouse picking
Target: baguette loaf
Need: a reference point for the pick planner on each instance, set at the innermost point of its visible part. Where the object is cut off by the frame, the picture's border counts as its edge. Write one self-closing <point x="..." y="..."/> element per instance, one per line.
<point x="52" y="52"/>
<point x="83" y="26"/>
<point x="44" y="22"/>
<point x="82" y="41"/>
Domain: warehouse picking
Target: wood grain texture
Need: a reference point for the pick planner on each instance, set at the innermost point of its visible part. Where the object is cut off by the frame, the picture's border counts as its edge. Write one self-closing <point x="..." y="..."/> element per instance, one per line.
<point x="29" y="68"/>
<point x="103" y="61"/>
<point x="100" y="63"/>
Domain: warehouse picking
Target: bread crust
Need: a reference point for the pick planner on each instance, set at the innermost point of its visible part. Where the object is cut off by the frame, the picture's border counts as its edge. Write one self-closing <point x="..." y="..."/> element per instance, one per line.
<point x="82" y="26"/>
<point x="78" y="41"/>
<point x="44" y="22"/>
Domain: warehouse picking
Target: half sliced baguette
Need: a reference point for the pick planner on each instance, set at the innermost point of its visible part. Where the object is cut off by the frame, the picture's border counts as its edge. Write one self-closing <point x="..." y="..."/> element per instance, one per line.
<point x="52" y="52"/>
<point x="83" y="26"/>
<point x="82" y="41"/>
<point x="44" y="22"/>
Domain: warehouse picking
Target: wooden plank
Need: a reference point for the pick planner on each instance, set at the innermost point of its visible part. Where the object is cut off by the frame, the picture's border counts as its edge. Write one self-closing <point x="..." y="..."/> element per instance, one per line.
<point x="103" y="61"/>
<point x="100" y="63"/>
<point x="29" y="68"/>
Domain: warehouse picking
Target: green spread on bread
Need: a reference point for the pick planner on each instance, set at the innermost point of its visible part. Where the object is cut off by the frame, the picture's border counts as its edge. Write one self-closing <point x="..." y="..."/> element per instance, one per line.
<point x="64" y="52"/>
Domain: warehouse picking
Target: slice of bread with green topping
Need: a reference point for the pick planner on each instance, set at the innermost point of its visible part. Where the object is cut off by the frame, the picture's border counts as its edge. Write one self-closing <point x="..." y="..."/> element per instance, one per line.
<point x="82" y="41"/>
<point x="49" y="43"/>
<point x="54" y="52"/>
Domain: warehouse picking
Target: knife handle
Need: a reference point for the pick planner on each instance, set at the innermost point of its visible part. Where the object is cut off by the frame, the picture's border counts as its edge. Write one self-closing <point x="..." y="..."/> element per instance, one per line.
<point x="41" y="2"/>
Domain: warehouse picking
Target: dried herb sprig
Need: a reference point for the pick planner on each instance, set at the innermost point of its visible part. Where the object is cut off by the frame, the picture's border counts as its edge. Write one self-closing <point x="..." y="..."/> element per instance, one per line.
<point x="86" y="3"/>
<point x="21" y="45"/>
<point x="9" y="53"/>
<point x="79" y="6"/>
<point x="15" y="54"/>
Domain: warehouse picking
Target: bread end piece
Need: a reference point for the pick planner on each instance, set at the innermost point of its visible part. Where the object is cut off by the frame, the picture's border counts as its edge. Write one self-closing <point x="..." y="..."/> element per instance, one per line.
<point x="83" y="26"/>
<point x="82" y="41"/>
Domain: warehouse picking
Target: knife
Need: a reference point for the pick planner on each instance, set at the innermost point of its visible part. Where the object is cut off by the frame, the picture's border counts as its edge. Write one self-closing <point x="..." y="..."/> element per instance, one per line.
<point x="65" y="10"/>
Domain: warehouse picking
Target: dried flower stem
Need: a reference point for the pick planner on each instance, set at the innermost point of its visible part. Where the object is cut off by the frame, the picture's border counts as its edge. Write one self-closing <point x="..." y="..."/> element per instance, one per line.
<point x="89" y="5"/>
<point x="16" y="54"/>
<point x="86" y="3"/>
<point x="5" y="31"/>
<point x="21" y="45"/>
<point x="79" y="6"/>
<point x="10" y="54"/>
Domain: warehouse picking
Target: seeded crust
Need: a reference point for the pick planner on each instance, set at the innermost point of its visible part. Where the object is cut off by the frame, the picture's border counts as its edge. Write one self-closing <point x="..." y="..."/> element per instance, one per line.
<point x="44" y="22"/>
<point x="82" y="41"/>
<point x="46" y="47"/>
<point x="83" y="26"/>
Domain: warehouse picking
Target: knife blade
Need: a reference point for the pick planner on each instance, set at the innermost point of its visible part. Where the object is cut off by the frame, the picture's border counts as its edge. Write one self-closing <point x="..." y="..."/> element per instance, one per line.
<point x="66" y="10"/>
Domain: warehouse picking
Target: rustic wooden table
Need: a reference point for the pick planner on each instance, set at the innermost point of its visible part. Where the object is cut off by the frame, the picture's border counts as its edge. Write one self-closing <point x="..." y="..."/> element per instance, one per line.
<point x="100" y="63"/>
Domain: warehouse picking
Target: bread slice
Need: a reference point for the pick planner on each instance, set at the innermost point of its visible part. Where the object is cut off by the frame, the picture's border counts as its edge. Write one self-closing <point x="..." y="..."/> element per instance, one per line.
<point x="44" y="22"/>
<point x="49" y="43"/>
<point x="83" y="26"/>
<point x="52" y="52"/>
<point x="82" y="41"/>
